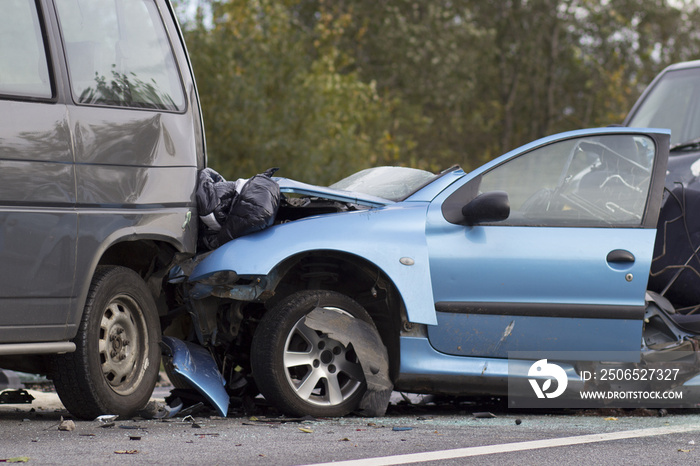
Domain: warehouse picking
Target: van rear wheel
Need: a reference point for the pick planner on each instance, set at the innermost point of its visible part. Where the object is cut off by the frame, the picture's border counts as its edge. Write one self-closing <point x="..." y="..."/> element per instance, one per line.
<point x="115" y="366"/>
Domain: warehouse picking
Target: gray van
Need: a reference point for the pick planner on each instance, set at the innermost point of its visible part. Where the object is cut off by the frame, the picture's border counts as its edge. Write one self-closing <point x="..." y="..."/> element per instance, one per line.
<point x="101" y="139"/>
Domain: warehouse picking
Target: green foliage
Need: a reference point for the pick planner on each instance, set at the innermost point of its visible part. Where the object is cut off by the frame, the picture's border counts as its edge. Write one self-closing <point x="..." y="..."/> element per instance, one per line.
<point x="323" y="88"/>
<point x="273" y="95"/>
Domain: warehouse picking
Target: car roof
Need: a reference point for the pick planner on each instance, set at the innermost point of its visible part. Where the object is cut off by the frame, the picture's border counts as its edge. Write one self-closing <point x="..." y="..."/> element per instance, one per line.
<point x="683" y="65"/>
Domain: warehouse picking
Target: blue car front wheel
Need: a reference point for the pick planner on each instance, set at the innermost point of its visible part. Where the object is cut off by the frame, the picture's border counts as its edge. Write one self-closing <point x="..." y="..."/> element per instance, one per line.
<point x="303" y="371"/>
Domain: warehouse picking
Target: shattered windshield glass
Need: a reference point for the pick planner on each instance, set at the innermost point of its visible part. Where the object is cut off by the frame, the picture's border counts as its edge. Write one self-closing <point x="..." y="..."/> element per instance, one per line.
<point x="392" y="183"/>
<point x="672" y="103"/>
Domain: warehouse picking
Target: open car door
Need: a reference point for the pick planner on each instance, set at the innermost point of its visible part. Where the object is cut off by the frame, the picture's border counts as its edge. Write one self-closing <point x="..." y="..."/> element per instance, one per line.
<point x="567" y="270"/>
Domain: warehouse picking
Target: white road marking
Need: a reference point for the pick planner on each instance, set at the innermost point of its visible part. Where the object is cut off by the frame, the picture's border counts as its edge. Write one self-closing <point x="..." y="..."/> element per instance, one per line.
<point x="510" y="447"/>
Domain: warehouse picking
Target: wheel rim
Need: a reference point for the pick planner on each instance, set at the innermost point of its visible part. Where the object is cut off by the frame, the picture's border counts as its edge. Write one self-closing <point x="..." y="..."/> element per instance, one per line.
<point x="122" y="344"/>
<point x="320" y="370"/>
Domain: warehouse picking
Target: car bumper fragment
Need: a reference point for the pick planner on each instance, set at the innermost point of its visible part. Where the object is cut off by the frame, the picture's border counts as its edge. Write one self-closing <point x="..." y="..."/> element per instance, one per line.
<point x="196" y="365"/>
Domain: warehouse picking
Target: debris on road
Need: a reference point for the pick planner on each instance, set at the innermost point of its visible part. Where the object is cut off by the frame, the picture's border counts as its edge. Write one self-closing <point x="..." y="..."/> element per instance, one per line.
<point x="67" y="425"/>
<point x="157" y="410"/>
<point x="106" y="420"/>
<point x="483" y="415"/>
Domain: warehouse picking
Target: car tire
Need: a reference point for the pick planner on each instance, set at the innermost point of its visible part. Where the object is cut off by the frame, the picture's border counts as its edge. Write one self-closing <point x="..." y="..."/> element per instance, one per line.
<point x="117" y="359"/>
<point x="339" y="382"/>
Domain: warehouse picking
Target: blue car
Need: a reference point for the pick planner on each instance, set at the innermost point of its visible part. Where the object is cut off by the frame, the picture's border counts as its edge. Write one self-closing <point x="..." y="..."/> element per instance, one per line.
<point x="400" y="279"/>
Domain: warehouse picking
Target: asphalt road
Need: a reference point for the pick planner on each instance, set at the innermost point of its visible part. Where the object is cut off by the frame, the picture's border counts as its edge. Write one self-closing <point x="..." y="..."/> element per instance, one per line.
<point x="434" y="433"/>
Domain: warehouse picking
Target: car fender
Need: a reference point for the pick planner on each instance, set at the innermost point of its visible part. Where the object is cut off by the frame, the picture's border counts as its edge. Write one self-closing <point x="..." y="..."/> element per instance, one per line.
<point x="391" y="237"/>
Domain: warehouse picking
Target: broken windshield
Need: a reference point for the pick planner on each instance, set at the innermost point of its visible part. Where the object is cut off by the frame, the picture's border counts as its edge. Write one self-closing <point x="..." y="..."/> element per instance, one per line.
<point x="392" y="183"/>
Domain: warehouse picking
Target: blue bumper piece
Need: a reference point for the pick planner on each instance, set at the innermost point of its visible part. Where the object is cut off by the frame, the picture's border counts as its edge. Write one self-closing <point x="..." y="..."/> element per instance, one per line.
<point x="196" y="365"/>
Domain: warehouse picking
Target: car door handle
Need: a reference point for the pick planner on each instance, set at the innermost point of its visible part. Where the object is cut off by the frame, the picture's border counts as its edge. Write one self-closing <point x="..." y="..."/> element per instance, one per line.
<point x="620" y="256"/>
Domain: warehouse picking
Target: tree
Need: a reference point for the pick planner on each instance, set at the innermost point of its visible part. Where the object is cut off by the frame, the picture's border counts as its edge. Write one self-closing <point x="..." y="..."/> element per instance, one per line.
<point x="477" y="78"/>
<point x="273" y="94"/>
<point x="324" y="87"/>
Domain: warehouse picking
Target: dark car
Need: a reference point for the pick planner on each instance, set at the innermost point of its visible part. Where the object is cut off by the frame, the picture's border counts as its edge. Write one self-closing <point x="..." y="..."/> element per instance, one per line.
<point x="100" y="142"/>
<point x="671" y="101"/>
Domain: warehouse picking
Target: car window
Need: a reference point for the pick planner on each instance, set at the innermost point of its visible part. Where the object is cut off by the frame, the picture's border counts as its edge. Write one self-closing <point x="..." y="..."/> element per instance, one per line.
<point x="23" y="66"/>
<point x="594" y="181"/>
<point x="672" y="103"/>
<point x="118" y="54"/>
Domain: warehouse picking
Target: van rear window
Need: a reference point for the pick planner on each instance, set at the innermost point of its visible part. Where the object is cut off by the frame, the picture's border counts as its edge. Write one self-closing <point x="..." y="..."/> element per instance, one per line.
<point x="119" y="54"/>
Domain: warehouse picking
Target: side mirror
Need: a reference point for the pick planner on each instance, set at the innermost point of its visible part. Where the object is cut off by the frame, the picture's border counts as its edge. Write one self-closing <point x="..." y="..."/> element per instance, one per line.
<point x="492" y="206"/>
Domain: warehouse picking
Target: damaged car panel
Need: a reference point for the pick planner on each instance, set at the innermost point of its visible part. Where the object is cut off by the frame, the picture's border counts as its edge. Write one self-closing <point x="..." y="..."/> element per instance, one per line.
<point x="547" y="248"/>
<point x="195" y="365"/>
<point x="387" y="235"/>
<point x="296" y="187"/>
<point x="371" y="353"/>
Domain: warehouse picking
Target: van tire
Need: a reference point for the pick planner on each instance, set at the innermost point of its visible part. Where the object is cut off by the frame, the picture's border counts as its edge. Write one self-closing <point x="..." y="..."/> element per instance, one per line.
<point x="117" y="358"/>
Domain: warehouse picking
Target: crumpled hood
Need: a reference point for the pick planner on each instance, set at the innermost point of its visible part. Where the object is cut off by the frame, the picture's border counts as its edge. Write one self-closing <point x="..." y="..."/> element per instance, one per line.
<point x="297" y="187"/>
